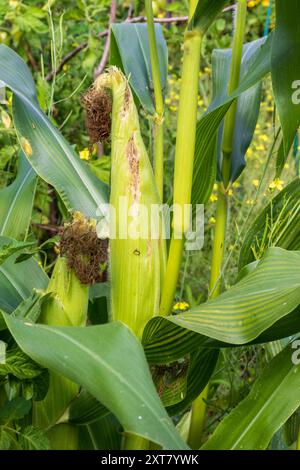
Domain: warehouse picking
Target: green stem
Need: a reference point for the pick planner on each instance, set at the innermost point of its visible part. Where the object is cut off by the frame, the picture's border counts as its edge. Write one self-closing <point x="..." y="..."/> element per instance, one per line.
<point x="199" y="407"/>
<point x="298" y="441"/>
<point x="197" y="420"/>
<point x="229" y="125"/>
<point x="219" y="244"/>
<point x="192" y="7"/>
<point x="159" y="102"/>
<point x="184" y="160"/>
<point x="171" y="277"/>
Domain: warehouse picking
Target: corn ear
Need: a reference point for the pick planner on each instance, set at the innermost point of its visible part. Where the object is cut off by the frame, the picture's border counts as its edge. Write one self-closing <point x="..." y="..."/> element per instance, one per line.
<point x="69" y="302"/>
<point x="66" y="307"/>
<point x="136" y="265"/>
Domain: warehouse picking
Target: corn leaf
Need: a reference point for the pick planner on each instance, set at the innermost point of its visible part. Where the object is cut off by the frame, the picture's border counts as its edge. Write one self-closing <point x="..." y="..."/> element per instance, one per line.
<point x="16" y="202"/>
<point x="165" y="342"/>
<point x="264" y="296"/>
<point x="271" y="401"/>
<point x="241" y="315"/>
<point x="130" y="52"/>
<point x="46" y="150"/>
<point x="86" y="409"/>
<point x="248" y="104"/>
<point x="107" y="361"/>
<point x="205" y="13"/>
<point x="286" y="68"/>
<point x="255" y="68"/>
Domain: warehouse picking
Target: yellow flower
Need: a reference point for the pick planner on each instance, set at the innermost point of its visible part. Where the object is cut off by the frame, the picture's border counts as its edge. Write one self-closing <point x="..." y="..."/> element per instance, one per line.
<point x="173" y="108"/>
<point x="212" y="221"/>
<point x="276" y="184"/>
<point x="181" y="306"/>
<point x="213" y="197"/>
<point x="264" y="137"/>
<point x="249" y="152"/>
<point x="251" y="4"/>
<point x="265" y="3"/>
<point x="84" y="154"/>
<point x="230" y="192"/>
<point x="249" y="202"/>
<point x="286" y="166"/>
<point x="207" y="70"/>
<point x="168" y="101"/>
<point x="215" y="187"/>
<point x="235" y="184"/>
<point x="255" y="182"/>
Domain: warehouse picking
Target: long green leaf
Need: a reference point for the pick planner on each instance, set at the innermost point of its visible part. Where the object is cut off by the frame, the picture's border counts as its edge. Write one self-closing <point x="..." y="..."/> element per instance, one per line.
<point x="107" y="361"/>
<point x="264" y="296"/>
<point x="248" y="103"/>
<point x="272" y="400"/>
<point x="205" y="13"/>
<point x="286" y="68"/>
<point x="165" y="342"/>
<point x="47" y="151"/>
<point x="130" y="51"/>
<point x="239" y="316"/>
<point x="205" y="162"/>
<point x="16" y="202"/>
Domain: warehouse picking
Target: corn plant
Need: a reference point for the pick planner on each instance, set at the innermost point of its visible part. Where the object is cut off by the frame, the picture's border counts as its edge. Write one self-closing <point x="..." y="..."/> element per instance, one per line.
<point x="87" y="364"/>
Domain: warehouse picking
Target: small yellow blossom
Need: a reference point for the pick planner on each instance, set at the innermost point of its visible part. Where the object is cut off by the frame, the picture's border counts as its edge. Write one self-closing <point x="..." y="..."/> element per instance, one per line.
<point x="213" y="197"/>
<point x="249" y="202"/>
<point x="264" y="137"/>
<point x="276" y="184"/>
<point x="212" y="221"/>
<point x="207" y="70"/>
<point x="84" y="154"/>
<point x="251" y="4"/>
<point x="168" y="101"/>
<point x="235" y="184"/>
<point x="249" y="152"/>
<point x="265" y="3"/>
<point x="230" y="192"/>
<point x="173" y="108"/>
<point x="286" y="166"/>
<point x="255" y="183"/>
<point x="182" y="306"/>
<point x="215" y="187"/>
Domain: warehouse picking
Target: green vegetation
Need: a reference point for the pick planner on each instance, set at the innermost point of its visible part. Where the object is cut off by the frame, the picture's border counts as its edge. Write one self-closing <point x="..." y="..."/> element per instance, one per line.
<point x="112" y="340"/>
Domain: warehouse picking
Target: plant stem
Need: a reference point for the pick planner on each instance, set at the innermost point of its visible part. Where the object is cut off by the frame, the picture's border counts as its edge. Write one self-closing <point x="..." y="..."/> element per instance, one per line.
<point x="159" y="102"/>
<point x="184" y="161"/>
<point x="298" y="440"/>
<point x="197" y="424"/>
<point x="229" y="125"/>
<point x="219" y="243"/>
<point x="173" y="267"/>
<point x="199" y="408"/>
<point x="192" y="7"/>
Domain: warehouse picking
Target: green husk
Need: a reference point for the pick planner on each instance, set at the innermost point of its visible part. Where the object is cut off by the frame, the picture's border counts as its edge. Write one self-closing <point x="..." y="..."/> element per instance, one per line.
<point x="136" y="265"/>
<point x="66" y="307"/>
